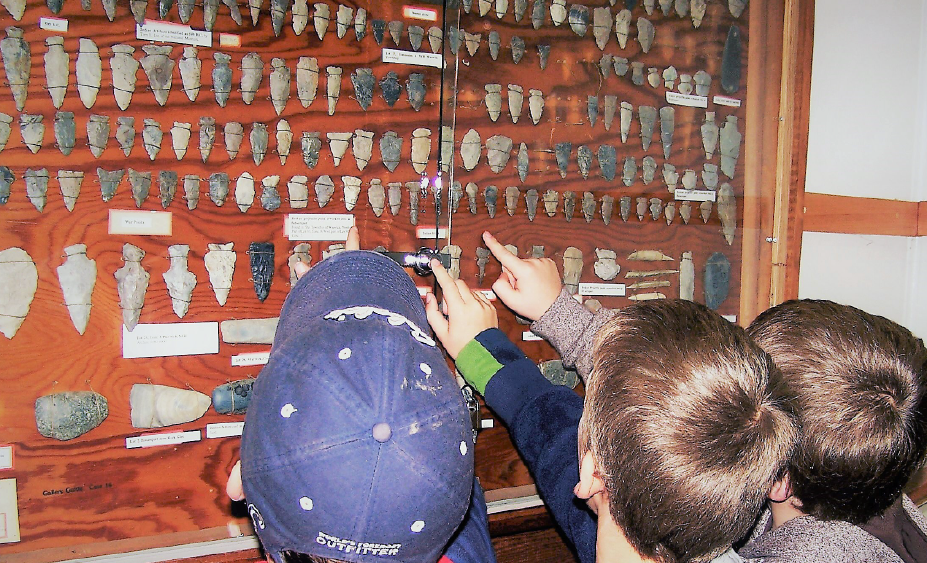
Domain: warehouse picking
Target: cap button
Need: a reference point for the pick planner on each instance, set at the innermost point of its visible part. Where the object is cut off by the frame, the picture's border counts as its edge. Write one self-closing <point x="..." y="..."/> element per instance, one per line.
<point x="382" y="432"/>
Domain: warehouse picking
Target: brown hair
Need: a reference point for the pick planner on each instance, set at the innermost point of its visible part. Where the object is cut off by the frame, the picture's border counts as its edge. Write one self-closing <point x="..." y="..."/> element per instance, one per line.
<point x="689" y="424"/>
<point x="859" y="381"/>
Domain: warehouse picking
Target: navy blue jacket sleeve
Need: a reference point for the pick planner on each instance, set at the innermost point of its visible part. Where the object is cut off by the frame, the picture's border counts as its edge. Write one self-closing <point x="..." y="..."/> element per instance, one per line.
<point x="542" y="419"/>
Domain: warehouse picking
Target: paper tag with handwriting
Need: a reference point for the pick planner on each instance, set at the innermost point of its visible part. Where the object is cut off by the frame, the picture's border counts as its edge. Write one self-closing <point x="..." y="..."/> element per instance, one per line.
<point x="681" y="194"/>
<point x="137" y="222"/>
<point x="224" y="429"/>
<point x="166" y="32"/>
<point x="170" y="339"/>
<point x="687" y="100"/>
<point x="617" y="289"/>
<point x="413" y="58"/>
<point x="162" y="439"/>
<point x="317" y="226"/>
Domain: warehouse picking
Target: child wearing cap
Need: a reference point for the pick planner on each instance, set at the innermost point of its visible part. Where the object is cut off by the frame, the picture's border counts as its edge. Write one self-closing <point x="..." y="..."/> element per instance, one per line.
<point x="357" y="445"/>
<point x="860" y="383"/>
<point x="685" y="427"/>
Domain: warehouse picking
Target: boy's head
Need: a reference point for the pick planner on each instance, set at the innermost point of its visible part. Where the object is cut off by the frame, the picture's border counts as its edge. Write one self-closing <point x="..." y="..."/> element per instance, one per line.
<point x="860" y="383"/>
<point x="357" y="443"/>
<point x="688" y="425"/>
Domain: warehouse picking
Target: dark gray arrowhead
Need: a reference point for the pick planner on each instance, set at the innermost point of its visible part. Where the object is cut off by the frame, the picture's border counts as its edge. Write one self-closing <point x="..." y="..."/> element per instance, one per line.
<point x="607" y="161"/>
<point x="717" y="280"/>
<point x="453" y="38"/>
<point x="592" y="108"/>
<point x="141" y="186"/>
<point x="109" y="181"/>
<point x="543" y="55"/>
<point x="416" y="34"/>
<point x="262" y="267"/>
<point x="562" y="152"/>
<point x="584" y="159"/>
<point x="730" y="61"/>
<point x="538" y="11"/>
<point x="65" y="131"/>
<point x="167" y="182"/>
<point x="390" y="87"/>
<point x="390" y="149"/>
<point x="518" y="48"/>
<point x="495" y="43"/>
<point x="6" y="182"/>
<point x="218" y="187"/>
<point x="54" y="5"/>
<point x="379" y="29"/>
<point x="491" y="195"/>
<point x="363" y="81"/>
<point x="415" y="89"/>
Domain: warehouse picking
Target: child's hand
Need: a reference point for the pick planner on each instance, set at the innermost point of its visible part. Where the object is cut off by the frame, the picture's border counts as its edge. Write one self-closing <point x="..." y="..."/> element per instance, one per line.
<point x="468" y="312"/>
<point x="529" y="287"/>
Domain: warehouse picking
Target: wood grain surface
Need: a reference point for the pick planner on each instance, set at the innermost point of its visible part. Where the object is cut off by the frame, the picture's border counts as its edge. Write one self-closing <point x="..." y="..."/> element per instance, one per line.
<point x="92" y="489"/>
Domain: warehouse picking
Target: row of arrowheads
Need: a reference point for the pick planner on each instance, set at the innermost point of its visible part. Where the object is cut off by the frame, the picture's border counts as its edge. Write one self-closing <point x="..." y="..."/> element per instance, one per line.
<point x="578" y="14"/>
<point x="379" y="197"/>
<point x="69" y="414"/>
<point x="77" y="278"/>
<point x="78" y="274"/>
<point x="159" y="69"/>
<point x="498" y="147"/>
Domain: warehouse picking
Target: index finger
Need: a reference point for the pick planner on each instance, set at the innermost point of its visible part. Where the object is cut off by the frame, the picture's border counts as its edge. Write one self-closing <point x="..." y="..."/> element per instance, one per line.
<point x="353" y="240"/>
<point x="502" y="254"/>
<point x="448" y="285"/>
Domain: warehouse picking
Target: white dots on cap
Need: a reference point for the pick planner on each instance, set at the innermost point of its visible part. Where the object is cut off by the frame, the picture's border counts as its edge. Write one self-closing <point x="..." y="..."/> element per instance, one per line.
<point x="344" y="354"/>
<point x="426" y="369"/>
<point x="418" y="526"/>
<point x="287" y="410"/>
<point x="463" y="448"/>
<point x="382" y="432"/>
<point x="305" y="503"/>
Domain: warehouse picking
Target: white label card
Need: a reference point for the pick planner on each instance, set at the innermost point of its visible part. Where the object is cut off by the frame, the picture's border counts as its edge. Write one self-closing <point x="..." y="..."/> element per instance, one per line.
<point x="224" y="429"/>
<point x="154" y="30"/>
<point x="6" y="457"/>
<point x="431" y="233"/>
<point x="318" y="226"/>
<point x="731" y="318"/>
<point x="602" y="289"/>
<point x="53" y="24"/>
<point x="528" y="336"/>
<point x="687" y="100"/>
<point x="170" y="339"/>
<point x="681" y="194"/>
<point x="133" y="222"/>
<point x="726" y="101"/>
<point x="413" y="58"/>
<point x="251" y="359"/>
<point x="163" y="439"/>
<point x="9" y="512"/>
<point x="488" y="294"/>
<point x="414" y="13"/>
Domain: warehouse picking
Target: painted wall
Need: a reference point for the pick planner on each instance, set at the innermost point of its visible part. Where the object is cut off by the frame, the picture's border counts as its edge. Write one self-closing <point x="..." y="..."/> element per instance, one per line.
<point x="868" y="138"/>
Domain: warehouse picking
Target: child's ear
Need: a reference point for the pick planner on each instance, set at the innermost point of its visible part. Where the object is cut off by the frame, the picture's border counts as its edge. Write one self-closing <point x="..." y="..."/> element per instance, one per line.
<point x="781" y="490"/>
<point x="590" y="483"/>
<point x="233" y="487"/>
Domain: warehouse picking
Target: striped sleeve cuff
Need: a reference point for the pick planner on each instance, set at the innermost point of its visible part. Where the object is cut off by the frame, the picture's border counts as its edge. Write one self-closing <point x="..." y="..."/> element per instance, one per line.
<point x="477" y="365"/>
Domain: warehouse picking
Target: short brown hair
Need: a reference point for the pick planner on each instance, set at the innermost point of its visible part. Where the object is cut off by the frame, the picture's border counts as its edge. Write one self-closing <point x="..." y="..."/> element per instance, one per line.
<point x="859" y="382"/>
<point x="689" y="424"/>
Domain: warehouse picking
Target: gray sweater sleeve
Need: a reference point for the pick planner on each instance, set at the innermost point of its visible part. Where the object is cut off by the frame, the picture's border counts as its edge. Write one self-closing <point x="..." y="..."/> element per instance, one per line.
<point x="571" y="328"/>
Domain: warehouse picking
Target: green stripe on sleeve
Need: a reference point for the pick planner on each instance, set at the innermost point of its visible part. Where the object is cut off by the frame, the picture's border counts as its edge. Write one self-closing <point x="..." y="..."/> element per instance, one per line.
<point x="477" y="365"/>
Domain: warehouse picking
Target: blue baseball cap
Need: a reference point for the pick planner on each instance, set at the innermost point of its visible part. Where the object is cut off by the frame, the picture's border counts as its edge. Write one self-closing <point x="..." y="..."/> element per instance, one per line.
<point x="357" y="444"/>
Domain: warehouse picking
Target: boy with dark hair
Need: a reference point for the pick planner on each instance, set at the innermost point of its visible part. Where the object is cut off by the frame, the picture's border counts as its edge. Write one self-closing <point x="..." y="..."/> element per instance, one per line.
<point x="860" y="383"/>
<point x="357" y="444"/>
<point x="685" y="426"/>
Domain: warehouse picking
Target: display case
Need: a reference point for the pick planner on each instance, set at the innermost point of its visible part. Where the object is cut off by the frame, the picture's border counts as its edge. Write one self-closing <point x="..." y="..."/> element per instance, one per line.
<point x="635" y="144"/>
